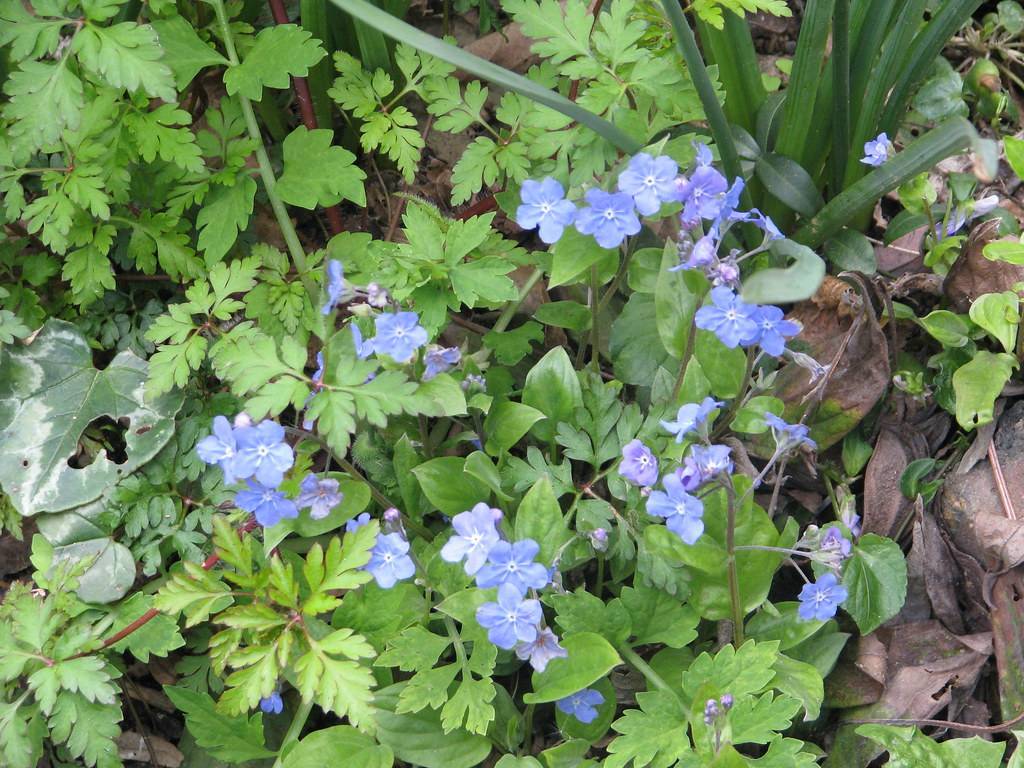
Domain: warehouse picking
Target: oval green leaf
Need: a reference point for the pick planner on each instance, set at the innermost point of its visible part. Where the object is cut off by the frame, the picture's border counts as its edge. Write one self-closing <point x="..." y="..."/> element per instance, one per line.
<point x="590" y="658"/>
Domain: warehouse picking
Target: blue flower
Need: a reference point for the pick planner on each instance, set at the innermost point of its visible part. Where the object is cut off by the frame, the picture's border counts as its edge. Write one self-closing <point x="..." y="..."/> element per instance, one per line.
<point x="357" y="522"/>
<point x="399" y="335"/>
<point x="474" y="536"/>
<point x="638" y="464"/>
<point x="729" y="318"/>
<point x="269" y="505"/>
<point x="683" y="513"/>
<point x="788" y="436"/>
<point x="877" y="151"/>
<point x="541" y="650"/>
<point x="335" y="286"/>
<point x="321" y="496"/>
<point x="511" y="620"/>
<point x="582" y="705"/>
<point x="512" y="563"/>
<point x="764" y="223"/>
<point x="220" y="448"/>
<point x="701" y="195"/>
<point x="698" y="255"/>
<point x="689" y="475"/>
<point x="262" y="453"/>
<point x="438" y="360"/>
<point x="690" y="417"/>
<point x="774" y="329"/>
<point x="544" y="205"/>
<point x="650" y="180"/>
<point x="727" y="208"/>
<point x="712" y="460"/>
<point x="390" y="561"/>
<point x="318" y="380"/>
<point x="363" y="348"/>
<point x="821" y="600"/>
<point x="834" y="546"/>
<point x="609" y="217"/>
<point x="272" y="704"/>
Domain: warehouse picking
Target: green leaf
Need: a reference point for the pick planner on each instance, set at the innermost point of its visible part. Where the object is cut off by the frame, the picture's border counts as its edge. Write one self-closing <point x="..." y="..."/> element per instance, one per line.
<point x="158" y="636"/>
<point x="539" y="517"/>
<point x="1010" y="251"/>
<point x="316" y="173"/>
<point x="46" y="99"/>
<point x="448" y="487"/>
<point x="947" y="328"/>
<point x="658" y="617"/>
<point x="655" y="736"/>
<point x="224" y="215"/>
<point x="513" y="345"/>
<point x="590" y="658"/>
<point x="470" y="704"/>
<point x="506" y="423"/>
<point x="635" y="344"/>
<point x="796" y="282"/>
<point x="21" y="734"/>
<point x="909" y="748"/>
<point x="280" y="52"/>
<point x="414" y="650"/>
<point x="184" y="52"/>
<point x="573" y="256"/>
<point x="338" y="745"/>
<point x="88" y="730"/>
<point x="230" y="739"/>
<point x="126" y="55"/>
<point x="110" y="572"/>
<point x="553" y="388"/>
<point x="419" y="739"/>
<point x="999" y="314"/>
<point x="564" y="314"/>
<point x="581" y="611"/>
<point x="787" y="181"/>
<point x="724" y="368"/>
<point x="978" y="383"/>
<point x="849" y="250"/>
<point x="749" y="418"/>
<point x="49" y="394"/>
<point x="781" y="623"/>
<point x="677" y="295"/>
<point x="355" y="498"/>
<point x="876" y="580"/>
<point x="801" y="681"/>
<point x="1015" y="154"/>
<point x="11" y="327"/>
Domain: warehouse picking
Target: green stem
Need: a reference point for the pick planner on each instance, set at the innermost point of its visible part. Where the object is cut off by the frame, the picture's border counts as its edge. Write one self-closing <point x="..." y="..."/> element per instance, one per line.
<point x="595" y="328"/>
<point x="632" y="658"/>
<point x="513" y="306"/>
<point x="734" y="580"/>
<point x="291" y="237"/>
<point x="691" y="340"/>
<point x="840" y="92"/>
<point x="294" y="730"/>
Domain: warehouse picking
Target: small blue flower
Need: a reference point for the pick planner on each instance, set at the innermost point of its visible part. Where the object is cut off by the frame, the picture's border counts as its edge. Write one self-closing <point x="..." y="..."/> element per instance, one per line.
<point x="474" y="536"/>
<point x="268" y="505"/>
<point x="544" y="205"/>
<point x="877" y="151"/>
<point x="220" y="448"/>
<point x="711" y="711"/>
<point x="835" y="546"/>
<point x="272" y="704"/>
<point x="321" y="496"/>
<point x="318" y="380"/>
<point x="683" y="513"/>
<point x="541" y="650"/>
<point x="690" y="417"/>
<point x="511" y="620"/>
<point x="712" y="460"/>
<point x="438" y="360"/>
<point x="689" y="475"/>
<point x="699" y="255"/>
<point x="764" y="223"/>
<point x="363" y="348"/>
<point x="851" y="520"/>
<point x="262" y="453"/>
<point x="335" y="286"/>
<point x="582" y="705"/>
<point x="729" y="318"/>
<point x="513" y="563"/>
<point x="727" y="208"/>
<point x="701" y="195"/>
<point x="774" y="329"/>
<point x="788" y="436"/>
<point x="821" y="600"/>
<point x="390" y="561"/>
<point x="638" y="464"/>
<point x="610" y="217"/>
<point x="399" y="335"/>
<point x="650" y="180"/>
<point x="357" y="522"/>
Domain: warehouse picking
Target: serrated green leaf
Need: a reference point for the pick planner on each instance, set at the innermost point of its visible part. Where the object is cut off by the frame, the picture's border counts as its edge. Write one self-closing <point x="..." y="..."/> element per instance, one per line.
<point x="317" y="173"/>
<point x="126" y="55"/>
<point x="184" y="52"/>
<point x="225" y="214"/>
<point x="280" y="52"/>
<point x="655" y="735"/>
<point x="231" y="739"/>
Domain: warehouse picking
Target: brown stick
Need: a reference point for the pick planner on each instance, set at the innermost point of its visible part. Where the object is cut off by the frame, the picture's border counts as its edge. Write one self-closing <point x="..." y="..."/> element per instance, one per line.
<point x="964" y="727"/>
<point x="305" y="101"/>
<point x="1000" y="480"/>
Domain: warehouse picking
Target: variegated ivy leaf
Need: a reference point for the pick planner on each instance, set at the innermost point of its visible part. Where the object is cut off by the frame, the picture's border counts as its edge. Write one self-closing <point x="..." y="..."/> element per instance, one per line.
<point x="49" y="394"/>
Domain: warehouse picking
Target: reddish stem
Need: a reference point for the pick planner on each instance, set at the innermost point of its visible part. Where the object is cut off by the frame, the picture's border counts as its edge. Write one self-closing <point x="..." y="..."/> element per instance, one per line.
<point x="486" y="205"/>
<point x="305" y="101"/>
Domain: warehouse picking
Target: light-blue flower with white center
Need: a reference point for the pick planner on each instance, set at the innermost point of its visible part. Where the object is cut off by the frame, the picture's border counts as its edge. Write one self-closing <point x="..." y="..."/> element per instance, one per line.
<point x="691" y="417"/>
<point x="729" y="318"/>
<point x="877" y="151"/>
<point x="475" y="535"/>
<point x="683" y="513"/>
<point x="263" y="453"/>
<point x="820" y="600"/>
<point x="320" y="496"/>
<point x="268" y="505"/>
<point x="511" y="620"/>
<point x="513" y="563"/>
<point x="399" y="335"/>
<point x="582" y="705"/>
<point x="651" y="181"/>
<point x="220" y="448"/>
<point x="541" y="650"/>
<point x="545" y="208"/>
<point x="389" y="560"/>
<point x="609" y="216"/>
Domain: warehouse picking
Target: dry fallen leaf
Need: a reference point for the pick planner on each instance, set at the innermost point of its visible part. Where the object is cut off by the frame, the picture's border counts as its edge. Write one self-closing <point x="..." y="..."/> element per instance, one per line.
<point x="973" y="275"/>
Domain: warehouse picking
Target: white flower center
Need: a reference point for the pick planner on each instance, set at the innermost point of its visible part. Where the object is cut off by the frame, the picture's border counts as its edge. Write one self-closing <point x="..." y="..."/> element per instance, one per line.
<point x="511" y="567"/>
<point x="512" y="618"/>
<point x="262" y="450"/>
<point x="399" y="333"/>
<point x="545" y="208"/>
<point x="731" y="315"/>
<point x="644" y="461"/>
<point x="649" y="181"/>
<point x="475" y="539"/>
<point x="388" y="557"/>
<point x="680" y="509"/>
<point x="609" y="214"/>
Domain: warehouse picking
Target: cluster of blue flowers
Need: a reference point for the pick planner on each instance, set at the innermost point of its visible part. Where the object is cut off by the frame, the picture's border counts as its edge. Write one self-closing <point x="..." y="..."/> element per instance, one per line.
<point x="514" y="621"/>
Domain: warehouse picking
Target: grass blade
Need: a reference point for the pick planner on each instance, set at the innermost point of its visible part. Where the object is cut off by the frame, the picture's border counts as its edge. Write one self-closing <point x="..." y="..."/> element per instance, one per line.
<point x="369" y="14"/>
<point x="949" y="138"/>
<point x="313" y="17"/>
<point x="802" y="90"/>
<point x="732" y="49"/>
<point x="928" y="44"/>
<point x="840" y="92"/>
<point x="868" y="44"/>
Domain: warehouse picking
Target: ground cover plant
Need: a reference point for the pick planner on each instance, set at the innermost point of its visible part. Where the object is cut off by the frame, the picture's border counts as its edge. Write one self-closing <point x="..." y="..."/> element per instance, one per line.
<point x="527" y="384"/>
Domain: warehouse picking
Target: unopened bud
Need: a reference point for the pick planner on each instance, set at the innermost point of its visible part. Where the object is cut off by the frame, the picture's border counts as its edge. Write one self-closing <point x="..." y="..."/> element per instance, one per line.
<point x="243" y="420"/>
<point x="599" y="539"/>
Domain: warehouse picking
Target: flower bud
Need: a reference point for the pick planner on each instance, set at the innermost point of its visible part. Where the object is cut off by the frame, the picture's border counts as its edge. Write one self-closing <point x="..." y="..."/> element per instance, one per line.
<point x="599" y="539"/>
<point x="726" y="701"/>
<point x="243" y="420"/>
<point x="710" y="711"/>
<point x="376" y="296"/>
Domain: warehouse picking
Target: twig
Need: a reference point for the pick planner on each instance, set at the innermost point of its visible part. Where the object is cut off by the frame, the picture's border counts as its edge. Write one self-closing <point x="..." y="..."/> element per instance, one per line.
<point x="997" y="474"/>
<point x="979" y="729"/>
<point x="305" y="102"/>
